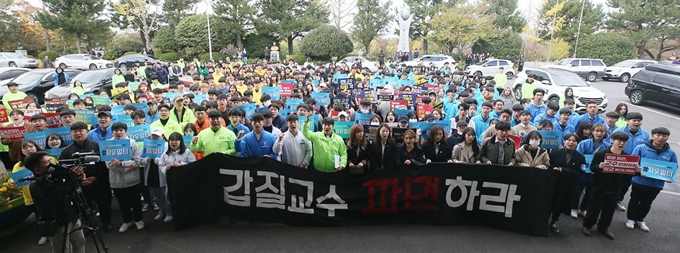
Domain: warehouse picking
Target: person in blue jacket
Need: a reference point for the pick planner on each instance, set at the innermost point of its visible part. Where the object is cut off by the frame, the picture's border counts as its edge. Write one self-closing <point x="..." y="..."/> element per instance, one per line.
<point x="588" y="148"/>
<point x="562" y="124"/>
<point x="644" y="189"/>
<point x="537" y="106"/>
<point x="591" y="115"/>
<point x="636" y="136"/>
<point x="482" y="120"/>
<point x="102" y="131"/>
<point x="60" y="77"/>
<point x="549" y="114"/>
<point x="258" y="143"/>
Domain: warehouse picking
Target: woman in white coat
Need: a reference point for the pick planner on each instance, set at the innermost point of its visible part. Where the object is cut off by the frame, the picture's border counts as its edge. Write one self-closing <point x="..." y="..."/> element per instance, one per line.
<point x="177" y="154"/>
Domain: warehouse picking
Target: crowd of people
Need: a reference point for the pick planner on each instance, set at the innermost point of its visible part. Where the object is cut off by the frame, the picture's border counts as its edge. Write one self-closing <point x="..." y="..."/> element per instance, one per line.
<point x="478" y="121"/>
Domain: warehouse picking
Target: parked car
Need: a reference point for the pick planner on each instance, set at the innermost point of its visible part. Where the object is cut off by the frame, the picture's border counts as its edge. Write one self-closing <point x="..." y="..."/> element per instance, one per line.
<point x="82" y="61"/>
<point x="9" y="73"/>
<point x="93" y="81"/>
<point x="657" y="83"/>
<point x="365" y="63"/>
<point x="35" y="83"/>
<point x="129" y="60"/>
<point x="590" y="69"/>
<point x="622" y="71"/>
<point x="438" y="60"/>
<point x="9" y="59"/>
<point x="554" y="81"/>
<point x="490" y="68"/>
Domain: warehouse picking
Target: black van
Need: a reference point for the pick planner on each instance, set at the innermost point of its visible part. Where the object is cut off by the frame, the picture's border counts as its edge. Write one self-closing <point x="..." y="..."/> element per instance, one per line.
<point x="657" y="83"/>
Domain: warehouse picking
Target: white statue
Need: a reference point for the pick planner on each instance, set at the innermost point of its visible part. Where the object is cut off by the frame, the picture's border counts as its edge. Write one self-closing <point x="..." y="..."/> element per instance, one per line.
<point x="404" y="17"/>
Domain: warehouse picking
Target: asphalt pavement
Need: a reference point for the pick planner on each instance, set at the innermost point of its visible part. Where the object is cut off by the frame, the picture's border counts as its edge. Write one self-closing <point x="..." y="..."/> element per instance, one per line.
<point x="663" y="220"/>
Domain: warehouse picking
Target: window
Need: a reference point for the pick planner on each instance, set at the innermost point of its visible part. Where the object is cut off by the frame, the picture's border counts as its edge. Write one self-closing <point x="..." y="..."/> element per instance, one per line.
<point x="597" y="63"/>
<point x="5" y="75"/>
<point x="585" y="63"/>
<point x="503" y="63"/>
<point x="574" y="63"/>
<point x="541" y="76"/>
<point x="492" y="63"/>
<point x="665" y="80"/>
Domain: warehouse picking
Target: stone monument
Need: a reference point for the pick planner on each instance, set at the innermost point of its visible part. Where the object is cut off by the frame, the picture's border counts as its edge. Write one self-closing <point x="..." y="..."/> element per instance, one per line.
<point x="404" y="17"/>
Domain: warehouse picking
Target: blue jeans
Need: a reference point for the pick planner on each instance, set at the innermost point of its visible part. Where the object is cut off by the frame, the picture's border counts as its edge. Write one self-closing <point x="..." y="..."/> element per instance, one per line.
<point x="158" y="195"/>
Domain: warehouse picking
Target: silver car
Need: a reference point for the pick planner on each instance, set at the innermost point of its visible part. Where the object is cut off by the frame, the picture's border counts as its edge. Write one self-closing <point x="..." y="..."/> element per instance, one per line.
<point x="365" y="63"/>
<point x="8" y="59"/>
<point x="82" y="61"/>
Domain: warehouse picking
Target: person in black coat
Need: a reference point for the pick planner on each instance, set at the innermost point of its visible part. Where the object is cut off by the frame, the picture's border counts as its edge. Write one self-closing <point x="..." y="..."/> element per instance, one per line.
<point x="435" y="147"/>
<point x="567" y="161"/>
<point x="357" y="151"/>
<point x="409" y="153"/>
<point x="383" y="150"/>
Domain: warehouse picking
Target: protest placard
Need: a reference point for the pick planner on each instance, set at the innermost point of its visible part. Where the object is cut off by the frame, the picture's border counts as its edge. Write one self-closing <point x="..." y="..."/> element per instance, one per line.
<point x="154" y="148"/>
<point x="342" y="128"/>
<point x="38" y="137"/>
<point x="139" y="133"/>
<point x="286" y="89"/>
<point x="20" y="104"/>
<point x="4" y="117"/>
<point x="13" y="133"/>
<point x="424" y="110"/>
<point x="551" y="140"/>
<point x="346" y="84"/>
<point x="53" y="105"/>
<point x="620" y="164"/>
<point x="657" y="169"/>
<point x="322" y="98"/>
<point x="274" y="92"/>
<point x="115" y="149"/>
<point x="586" y="167"/>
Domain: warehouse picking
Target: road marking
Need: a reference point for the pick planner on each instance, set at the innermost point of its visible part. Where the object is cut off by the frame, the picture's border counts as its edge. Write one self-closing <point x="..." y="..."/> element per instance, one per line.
<point x="671" y="193"/>
<point x="661" y="113"/>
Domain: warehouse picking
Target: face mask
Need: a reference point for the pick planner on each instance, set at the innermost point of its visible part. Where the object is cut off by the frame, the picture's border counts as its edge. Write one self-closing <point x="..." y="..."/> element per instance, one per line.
<point x="267" y="103"/>
<point x="374" y="123"/>
<point x="413" y="120"/>
<point x="534" y="143"/>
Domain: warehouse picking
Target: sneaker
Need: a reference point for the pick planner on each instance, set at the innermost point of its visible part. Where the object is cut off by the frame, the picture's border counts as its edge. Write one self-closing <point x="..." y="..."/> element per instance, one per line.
<point x="160" y="216"/>
<point x="583" y="213"/>
<point x="145" y="207"/>
<point x="553" y="227"/>
<point x="168" y="218"/>
<point x="156" y="208"/>
<point x="642" y="226"/>
<point x="630" y="224"/>
<point x="124" y="227"/>
<point x="42" y="241"/>
<point x="620" y="207"/>
<point x="574" y="213"/>
<point x="139" y="224"/>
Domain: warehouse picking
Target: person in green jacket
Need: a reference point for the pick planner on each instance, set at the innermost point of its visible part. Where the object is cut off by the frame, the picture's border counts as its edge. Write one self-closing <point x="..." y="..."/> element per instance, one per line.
<point x="14" y="94"/>
<point x="528" y="87"/>
<point x="165" y="122"/>
<point x="78" y="88"/>
<point x="203" y="71"/>
<point x="117" y="77"/>
<point x="326" y="147"/>
<point x="501" y="80"/>
<point x="181" y="113"/>
<point x="217" y="139"/>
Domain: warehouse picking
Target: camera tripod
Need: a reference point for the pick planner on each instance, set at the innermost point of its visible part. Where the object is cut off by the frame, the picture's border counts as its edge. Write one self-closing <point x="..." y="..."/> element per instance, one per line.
<point x="88" y="224"/>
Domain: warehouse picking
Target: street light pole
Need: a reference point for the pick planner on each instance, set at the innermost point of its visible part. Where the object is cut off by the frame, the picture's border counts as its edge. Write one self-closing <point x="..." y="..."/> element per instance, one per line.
<point x="207" y="16"/>
<point x="578" y="32"/>
<point x="552" y="34"/>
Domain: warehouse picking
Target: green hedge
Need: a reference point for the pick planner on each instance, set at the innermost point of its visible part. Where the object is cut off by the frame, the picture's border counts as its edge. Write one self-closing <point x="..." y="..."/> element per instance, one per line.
<point x="299" y="58"/>
<point x="51" y="54"/>
<point x="169" y="56"/>
<point x="204" y="57"/>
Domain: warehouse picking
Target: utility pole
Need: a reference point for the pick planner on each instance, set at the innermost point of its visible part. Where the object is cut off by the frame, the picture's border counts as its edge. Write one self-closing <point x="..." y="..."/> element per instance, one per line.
<point x="578" y="33"/>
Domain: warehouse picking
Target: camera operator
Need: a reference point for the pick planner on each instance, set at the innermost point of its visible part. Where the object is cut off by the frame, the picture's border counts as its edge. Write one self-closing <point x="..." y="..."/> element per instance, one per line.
<point x="58" y="219"/>
<point x="96" y="184"/>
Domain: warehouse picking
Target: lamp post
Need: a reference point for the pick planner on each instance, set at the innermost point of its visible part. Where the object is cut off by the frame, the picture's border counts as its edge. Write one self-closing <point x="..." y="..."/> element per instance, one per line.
<point x="578" y="32"/>
<point x="207" y="17"/>
<point x="552" y="34"/>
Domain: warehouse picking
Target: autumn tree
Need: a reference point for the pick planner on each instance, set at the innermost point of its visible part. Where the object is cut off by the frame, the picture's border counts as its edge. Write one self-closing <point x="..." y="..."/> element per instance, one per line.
<point x="341" y="9"/>
<point x="567" y="19"/>
<point x="73" y="17"/>
<point x="141" y="14"/>
<point x="460" y="25"/>
<point x="370" y="21"/>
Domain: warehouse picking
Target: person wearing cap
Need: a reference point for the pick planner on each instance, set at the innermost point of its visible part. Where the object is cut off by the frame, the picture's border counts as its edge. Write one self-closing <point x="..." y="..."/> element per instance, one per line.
<point x="180" y="113"/>
<point x="216" y="139"/>
<point x="153" y="176"/>
<point x="637" y="136"/>
<point x="327" y="146"/>
<point x="293" y="147"/>
<point x="529" y="86"/>
<point x="645" y="189"/>
<point x="343" y="116"/>
<point x="103" y="130"/>
<point x="152" y="115"/>
<point x="164" y="121"/>
<point x="13" y="94"/>
<point x="456" y="133"/>
<point x="258" y="143"/>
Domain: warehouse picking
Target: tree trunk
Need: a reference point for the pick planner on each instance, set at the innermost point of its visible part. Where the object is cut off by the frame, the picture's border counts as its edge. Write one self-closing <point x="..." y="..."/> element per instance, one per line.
<point x="48" y="40"/>
<point x="290" y="45"/>
<point x="424" y="46"/>
<point x="641" y="50"/>
<point x="147" y="38"/>
<point x="79" y="43"/>
<point x="239" y="42"/>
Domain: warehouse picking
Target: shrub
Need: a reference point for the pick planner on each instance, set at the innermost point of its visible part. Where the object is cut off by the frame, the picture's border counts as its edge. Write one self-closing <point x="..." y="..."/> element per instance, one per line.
<point x="130" y="52"/>
<point x="325" y="42"/>
<point x="204" y="57"/>
<point x="508" y="43"/>
<point x="169" y="56"/>
<point x="256" y="43"/>
<point x="299" y="58"/>
<point x="110" y="55"/>
<point x="609" y="47"/>
<point x="51" y="54"/>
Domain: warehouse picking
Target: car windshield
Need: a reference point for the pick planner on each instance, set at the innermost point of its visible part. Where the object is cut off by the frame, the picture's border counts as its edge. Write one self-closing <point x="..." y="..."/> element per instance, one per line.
<point x="568" y="79"/>
<point x="13" y="55"/>
<point x="624" y="64"/>
<point x="89" y="77"/>
<point x="565" y="62"/>
<point x="29" y="78"/>
<point x="483" y="62"/>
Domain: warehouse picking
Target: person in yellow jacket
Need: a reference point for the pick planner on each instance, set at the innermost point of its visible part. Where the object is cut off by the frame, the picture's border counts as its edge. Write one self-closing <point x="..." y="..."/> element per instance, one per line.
<point x="180" y="113"/>
<point x="165" y="122"/>
<point x="326" y="147"/>
<point x="216" y="139"/>
<point x="13" y="94"/>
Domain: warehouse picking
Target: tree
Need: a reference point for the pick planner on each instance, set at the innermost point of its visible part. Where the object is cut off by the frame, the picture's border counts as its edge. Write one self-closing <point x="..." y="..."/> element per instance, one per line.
<point x="339" y="10"/>
<point x="176" y="10"/>
<point x="609" y="47"/>
<point x="507" y="14"/>
<point x="423" y="13"/>
<point x="460" y="25"/>
<point x="192" y="32"/>
<point x="326" y="42"/>
<point x="239" y="16"/>
<point x="143" y="14"/>
<point x="73" y="17"/>
<point x="164" y="39"/>
<point x="645" y="22"/>
<point x="370" y="21"/>
<point x="568" y="13"/>
<point x="256" y="44"/>
<point x="291" y="19"/>
<point x="508" y="43"/>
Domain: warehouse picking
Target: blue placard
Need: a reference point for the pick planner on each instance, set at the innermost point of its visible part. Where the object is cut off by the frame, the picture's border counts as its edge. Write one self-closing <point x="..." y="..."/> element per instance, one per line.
<point x="86" y="116"/>
<point x="249" y="109"/>
<point x="322" y="98"/>
<point x="315" y="83"/>
<point x="260" y="109"/>
<point x="445" y="124"/>
<point x="377" y="82"/>
<point x="139" y="132"/>
<point x="362" y="118"/>
<point x="342" y="128"/>
<point x="283" y="113"/>
<point x="274" y="92"/>
<point x="291" y="104"/>
<point x="660" y="170"/>
<point x="291" y="81"/>
<point x="38" y="137"/>
<point x="20" y="176"/>
<point x="54" y="152"/>
<point x="124" y="119"/>
<point x="172" y="95"/>
<point x="64" y="132"/>
<point x="187" y="140"/>
<point x="401" y="112"/>
<point x="118" y="109"/>
<point x="100" y="100"/>
<point x="153" y="148"/>
<point x="586" y="167"/>
<point x="424" y="128"/>
<point x="391" y="80"/>
<point x="551" y="140"/>
<point x="338" y="76"/>
<point x="406" y="82"/>
<point x="312" y="122"/>
<point x="140" y="106"/>
<point x="115" y="149"/>
<point x="198" y="98"/>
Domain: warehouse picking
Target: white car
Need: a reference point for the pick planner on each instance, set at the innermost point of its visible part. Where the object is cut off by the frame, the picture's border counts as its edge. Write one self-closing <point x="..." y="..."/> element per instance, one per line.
<point x="555" y="81"/>
<point x="82" y="61"/>
<point x="9" y="59"/>
<point x="437" y="60"/>
<point x="625" y="69"/>
<point x="490" y="67"/>
<point x="590" y="69"/>
<point x="365" y="63"/>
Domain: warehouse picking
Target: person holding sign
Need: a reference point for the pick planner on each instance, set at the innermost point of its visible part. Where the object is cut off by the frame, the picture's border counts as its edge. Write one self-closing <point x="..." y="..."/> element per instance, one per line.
<point x="530" y="152"/>
<point x="330" y="152"/>
<point x="13" y="94"/>
<point x="258" y="143"/>
<point x="215" y="140"/>
<point x="568" y="162"/>
<point x="126" y="181"/>
<point x="14" y="146"/>
<point x="637" y="136"/>
<point x="645" y="189"/>
<point x="606" y="187"/>
<point x="587" y="147"/>
<point x="177" y="155"/>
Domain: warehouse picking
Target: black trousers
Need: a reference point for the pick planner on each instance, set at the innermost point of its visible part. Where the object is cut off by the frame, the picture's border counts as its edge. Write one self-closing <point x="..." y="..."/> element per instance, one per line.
<point x="641" y="198"/>
<point x="9" y="164"/>
<point x="145" y="190"/>
<point x="603" y="206"/>
<point x="624" y="189"/>
<point x="100" y="193"/>
<point x="130" y="206"/>
<point x="577" y="203"/>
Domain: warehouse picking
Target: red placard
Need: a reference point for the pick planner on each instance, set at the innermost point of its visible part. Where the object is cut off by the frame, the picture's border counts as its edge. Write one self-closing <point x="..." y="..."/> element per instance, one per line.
<point x="286" y="89"/>
<point x="19" y="104"/>
<point x="516" y="139"/>
<point x="4" y="118"/>
<point x="620" y="164"/>
<point x="398" y="104"/>
<point x="12" y="133"/>
<point x="424" y="110"/>
<point x="53" y="120"/>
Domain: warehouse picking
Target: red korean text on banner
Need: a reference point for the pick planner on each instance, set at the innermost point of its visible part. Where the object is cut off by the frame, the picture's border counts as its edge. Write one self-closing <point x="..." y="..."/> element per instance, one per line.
<point x="286" y="89"/>
<point x="424" y="110"/>
<point x="399" y="104"/>
<point x="19" y="104"/>
<point x="621" y="164"/>
<point x="12" y="133"/>
<point x="4" y="118"/>
<point x="53" y="120"/>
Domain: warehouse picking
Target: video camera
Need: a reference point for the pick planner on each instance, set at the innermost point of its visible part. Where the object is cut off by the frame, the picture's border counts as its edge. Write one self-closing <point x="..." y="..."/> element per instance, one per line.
<point x="65" y="166"/>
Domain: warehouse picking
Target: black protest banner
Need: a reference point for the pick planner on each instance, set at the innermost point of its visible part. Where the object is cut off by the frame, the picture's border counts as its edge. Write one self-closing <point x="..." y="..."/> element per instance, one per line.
<point x="261" y="189"/>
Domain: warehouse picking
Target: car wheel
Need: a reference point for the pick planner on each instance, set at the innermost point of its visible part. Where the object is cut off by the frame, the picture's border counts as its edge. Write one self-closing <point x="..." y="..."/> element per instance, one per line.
<point x="518" y="93"/>
<point x="477" y="74"/>
<point x="12" y="64"/>
<point x="122" y="66"/>
<point x="34" y="97"/>
<point x="591" y="77"/>
<point x="63" y="66"/>
<point x="510" y="75"/>
<point x="624" y="78"/>
<point x="92" y="66"/>
<point x="636" y="97"/>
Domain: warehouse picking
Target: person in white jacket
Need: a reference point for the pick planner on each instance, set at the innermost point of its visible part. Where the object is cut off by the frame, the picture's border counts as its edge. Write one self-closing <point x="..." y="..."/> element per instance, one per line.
<point x="126" y="181"/>
<point x="154" y="179"/>
<point x="177" y="154"/>
<point x="294" y="148"/>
